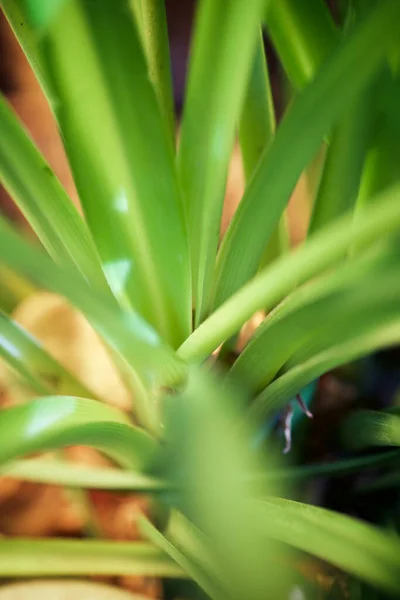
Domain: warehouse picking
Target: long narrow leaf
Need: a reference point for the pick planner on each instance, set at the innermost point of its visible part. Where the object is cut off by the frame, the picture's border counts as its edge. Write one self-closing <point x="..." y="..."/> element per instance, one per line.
<point x="40" y="558"/>
<point x="196" y="572"/>
<point x="153" y="23"/>
<point x="217" y="474"/>
<point x="336" y="468"/>
<point x="349" y="544"/>
<point x="289" y="384"/>
<point x="15" y="14"/>
<point x="76" y="475"/>
<point x="334" y="317"/>
<point x="121" y="157"/>
<point x="28" y="358"/>
<point x="57" y="421"/>
<point x="256" y="129"/>
<point x="303" y="34"/>
<point x="341" y="175"/>
<point x="148" y="360"/>
<point x="319" y="253"/>
<point x="43" y="200"/>
<point x="367" y="428"/>
<point x="225" y="37"/>
<point x="14" y="289"/>
<point x="316" y="110"/>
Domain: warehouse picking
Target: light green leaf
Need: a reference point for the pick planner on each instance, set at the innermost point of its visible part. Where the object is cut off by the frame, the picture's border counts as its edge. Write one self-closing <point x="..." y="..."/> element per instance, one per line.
<point x="217" y="473"/>
<point x="40" y="558"/>
<point x="14" y="289"/>
<point x="77" y="475"/>
<point x="122" y="158"/>
<point x="303" y="34"/>
<point x="343" y="77"/>
<point x="320" y="252"/>
<point x="38" y="369"/>
<point x="256" y="129"/>
<point x="286" y="386"/>
<point x="341" y="175"/>
<point x="225" y="38"/>
<point x="354" y="546"/>
<point x="43" y="200"/>
<point x="148" y="360"/>
<point x="193" y="570"/>
<point x="336" y="468"/>
<point x="153" y="24"/>
<point x="58" y="421"/>
<point x="23" y="31"/>
<point x="257" y="120"/>
<point x="331" y="315"/>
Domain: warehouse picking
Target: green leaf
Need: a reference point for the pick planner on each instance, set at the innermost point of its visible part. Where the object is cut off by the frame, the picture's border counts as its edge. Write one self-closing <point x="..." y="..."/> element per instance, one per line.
<point x="121" y="158"/>
<point x="366" y="428"/>
<point x="148" y="360"/>
<point x="330" y="315"/>
<point x="57" y="421"/>
<point x="217" y="473"/>
<point x="286" y="386"/>
<point x="43" y="200"/>
<point x="153" y="24"/>
<point x="77" y="475"/>
<point x="257" y="120"/>
<point x="351" y="545"/>
<point x="256" y="129"/>
<point x="193" y="570"/>
<point x="38" y="369"/>
<point x="225" y="37"/>
<point x="44" y="12"/>
<point x="316" y="110"/>
<point x="40" y="558"/>
<point x="336" y="468"/>
<point x="23" y="31"/>
<point x="381" y="168"/>
<point x="14" y="289"/>
<point x="320" y="252"/>
<point x="303" y="34"/>
<point x="341" y="175"/>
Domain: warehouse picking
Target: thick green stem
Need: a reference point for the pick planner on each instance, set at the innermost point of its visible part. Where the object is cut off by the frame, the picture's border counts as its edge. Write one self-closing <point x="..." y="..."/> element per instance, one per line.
<point x="155" y="38"/>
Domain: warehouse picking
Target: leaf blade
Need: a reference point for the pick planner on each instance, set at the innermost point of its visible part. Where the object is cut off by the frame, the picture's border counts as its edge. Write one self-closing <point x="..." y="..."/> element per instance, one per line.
<point x="320" y="252"/>
<point x="54" y="422"/>
<point x="311" y="116"/>
<point x="43" y="200"/>
<point x="212" y="109"/>
<point x="29" y="359"/>
<point x="121" y="158"/>
<point x="24" y="558"/>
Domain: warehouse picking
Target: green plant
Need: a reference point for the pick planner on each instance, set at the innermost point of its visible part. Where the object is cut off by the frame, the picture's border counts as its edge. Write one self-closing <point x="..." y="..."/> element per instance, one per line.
<point x="145" y="270"/>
